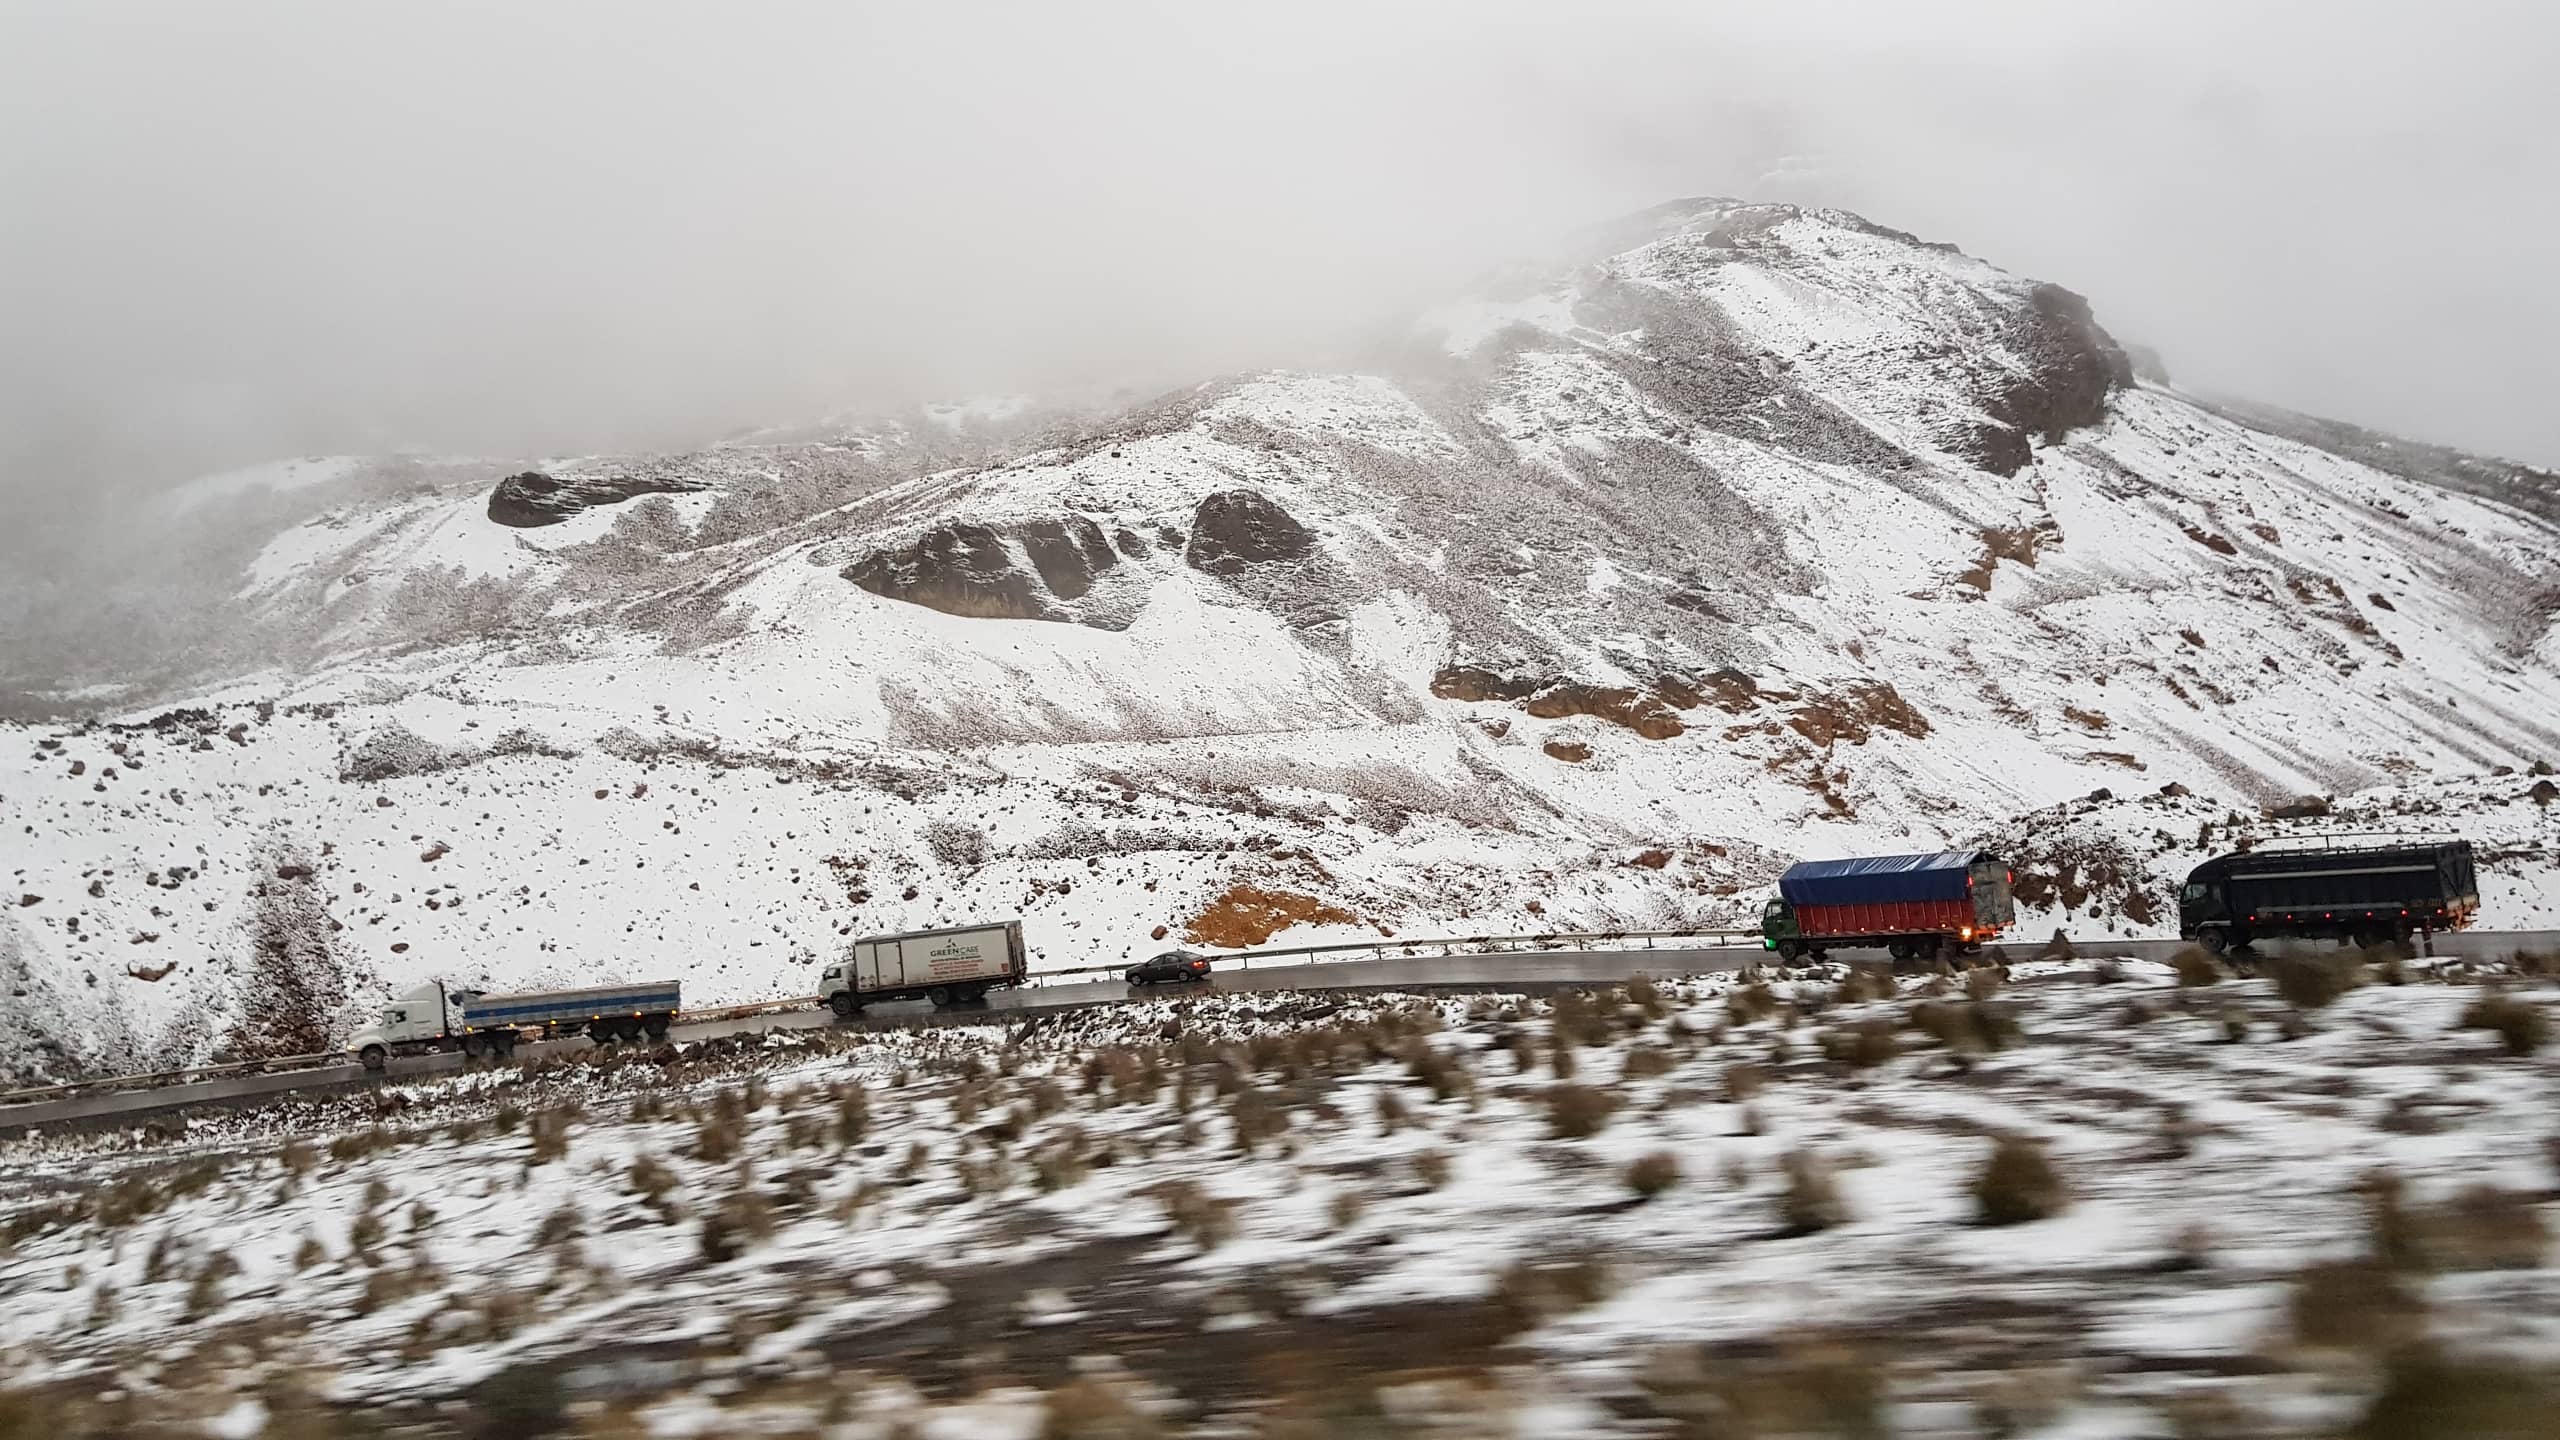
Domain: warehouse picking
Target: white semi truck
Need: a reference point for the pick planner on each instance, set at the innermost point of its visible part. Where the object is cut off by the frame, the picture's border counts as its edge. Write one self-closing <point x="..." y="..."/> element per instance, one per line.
<point x="948" y="967"/>
<point x="432" y="1018"/>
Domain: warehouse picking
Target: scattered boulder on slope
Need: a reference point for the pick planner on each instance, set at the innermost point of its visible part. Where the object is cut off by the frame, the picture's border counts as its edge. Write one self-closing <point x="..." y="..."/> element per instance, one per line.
<point x="1236" y="528"/>
<point x="532" y="499"/>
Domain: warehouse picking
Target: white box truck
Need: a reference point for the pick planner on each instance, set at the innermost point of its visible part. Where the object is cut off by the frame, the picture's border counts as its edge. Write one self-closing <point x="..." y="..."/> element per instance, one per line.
<point x="432" y="1018"/>
<point x="948" y="967"/>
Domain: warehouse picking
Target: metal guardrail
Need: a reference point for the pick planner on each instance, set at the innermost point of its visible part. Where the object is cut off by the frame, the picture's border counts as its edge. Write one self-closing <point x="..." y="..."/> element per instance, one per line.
<point x="1385" y="947"/>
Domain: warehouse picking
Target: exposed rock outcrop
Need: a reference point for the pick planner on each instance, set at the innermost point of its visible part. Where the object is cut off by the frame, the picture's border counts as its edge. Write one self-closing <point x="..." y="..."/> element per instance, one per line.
<point x="1642" y="713"/>
<point x="532" y="499"/>
<point x="1068" y="553"/>
<point x="957" y="568"/>
<point x="2072" y="365"/>
<point x="1236" y="528"/>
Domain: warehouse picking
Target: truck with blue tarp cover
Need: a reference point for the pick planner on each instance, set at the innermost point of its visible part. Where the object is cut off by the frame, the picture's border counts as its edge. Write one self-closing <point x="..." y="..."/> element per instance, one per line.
<point x="433" y="1017"/>
<point x="1943" y="904"/>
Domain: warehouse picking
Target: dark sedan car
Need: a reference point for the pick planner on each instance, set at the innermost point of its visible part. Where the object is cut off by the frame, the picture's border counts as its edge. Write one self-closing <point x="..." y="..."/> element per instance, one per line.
<point x="1171" y="965"/>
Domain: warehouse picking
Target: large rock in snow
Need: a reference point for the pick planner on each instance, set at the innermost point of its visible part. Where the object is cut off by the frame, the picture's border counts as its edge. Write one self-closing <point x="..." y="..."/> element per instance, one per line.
<point x="532" y="499"/>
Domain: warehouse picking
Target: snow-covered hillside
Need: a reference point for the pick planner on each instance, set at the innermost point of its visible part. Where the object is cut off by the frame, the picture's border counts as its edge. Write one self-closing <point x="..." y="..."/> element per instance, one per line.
<point x="1758" y="533"/>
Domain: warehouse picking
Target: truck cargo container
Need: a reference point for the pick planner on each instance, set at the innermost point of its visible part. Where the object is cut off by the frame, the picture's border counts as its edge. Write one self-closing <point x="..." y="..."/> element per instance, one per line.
<point x="432" y="1018"/>
<point x="2332" y="888"/>
<point x="1947" y="903"/>
<point x="957" y="966"/>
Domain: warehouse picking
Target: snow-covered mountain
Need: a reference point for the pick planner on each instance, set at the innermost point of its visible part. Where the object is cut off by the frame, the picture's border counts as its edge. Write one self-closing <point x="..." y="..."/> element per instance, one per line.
<point x="1755" y="532"/>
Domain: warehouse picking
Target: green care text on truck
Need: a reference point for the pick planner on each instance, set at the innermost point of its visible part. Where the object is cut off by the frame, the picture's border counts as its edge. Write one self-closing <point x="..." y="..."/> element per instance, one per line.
<point x="957" y="966"/>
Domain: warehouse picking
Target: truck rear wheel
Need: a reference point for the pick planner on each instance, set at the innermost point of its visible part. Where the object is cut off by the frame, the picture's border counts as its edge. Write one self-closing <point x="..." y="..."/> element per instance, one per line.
<point x="1898" y="949"/>
<point x="656" y="1025"/>
<point x="940" y="995"/>
<point x="473" y="1047"/>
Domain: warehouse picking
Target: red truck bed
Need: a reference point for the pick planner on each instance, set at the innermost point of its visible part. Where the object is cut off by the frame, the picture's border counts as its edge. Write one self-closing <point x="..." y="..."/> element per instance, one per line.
<point x="1900" y="917"/>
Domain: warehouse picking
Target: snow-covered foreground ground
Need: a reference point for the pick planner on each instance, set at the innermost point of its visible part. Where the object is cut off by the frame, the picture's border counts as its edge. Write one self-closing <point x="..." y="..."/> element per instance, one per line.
<point x="1716" y="1207"/>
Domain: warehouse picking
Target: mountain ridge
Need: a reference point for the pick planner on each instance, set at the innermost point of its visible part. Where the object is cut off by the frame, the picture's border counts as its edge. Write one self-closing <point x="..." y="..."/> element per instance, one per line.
<point x="1771" y="533"/>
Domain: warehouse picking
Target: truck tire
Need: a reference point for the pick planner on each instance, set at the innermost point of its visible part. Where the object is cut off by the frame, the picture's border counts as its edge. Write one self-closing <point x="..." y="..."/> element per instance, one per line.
<point x="940" y="995"/>
<point x="375" y="1058"/>
<point x="502" y="1045"/>
<point x="656" y="1026"/>
<point x="1898" y="949"/>
<point x="2213" y="941"/>
<point x="843" y="1003"/>
<point x="1788" y="950"/>
<point x="474" y="1046"/>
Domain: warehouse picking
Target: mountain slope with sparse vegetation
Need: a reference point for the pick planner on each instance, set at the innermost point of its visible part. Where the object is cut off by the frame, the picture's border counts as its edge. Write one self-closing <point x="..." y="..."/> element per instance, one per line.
<point x="1750" y="533"/>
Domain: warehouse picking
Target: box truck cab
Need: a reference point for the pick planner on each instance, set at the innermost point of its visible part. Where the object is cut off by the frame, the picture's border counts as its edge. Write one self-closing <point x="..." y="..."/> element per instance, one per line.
<point x="955" y="966"/>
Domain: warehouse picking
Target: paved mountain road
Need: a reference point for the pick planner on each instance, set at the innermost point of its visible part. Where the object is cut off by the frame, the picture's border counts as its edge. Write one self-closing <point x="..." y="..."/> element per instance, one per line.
<point x="1529" y="968"/>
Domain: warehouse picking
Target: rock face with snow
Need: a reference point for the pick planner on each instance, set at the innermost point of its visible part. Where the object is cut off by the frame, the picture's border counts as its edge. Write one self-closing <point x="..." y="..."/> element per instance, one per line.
<point x="533" y="499"/>
<point x="1754" y="533"/>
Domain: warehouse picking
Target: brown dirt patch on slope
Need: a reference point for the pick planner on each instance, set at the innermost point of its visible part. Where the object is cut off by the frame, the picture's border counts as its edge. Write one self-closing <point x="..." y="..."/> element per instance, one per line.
<point x="1250" y="915"/>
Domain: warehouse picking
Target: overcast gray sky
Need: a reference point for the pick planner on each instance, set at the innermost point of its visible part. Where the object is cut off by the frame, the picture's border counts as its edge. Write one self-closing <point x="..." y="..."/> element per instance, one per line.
<point x="265" y="227"/>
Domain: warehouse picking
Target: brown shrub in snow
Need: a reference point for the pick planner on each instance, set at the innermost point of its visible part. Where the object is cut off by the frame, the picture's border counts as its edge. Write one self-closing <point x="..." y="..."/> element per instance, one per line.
<point x="361" y="1143"/>
<point x="2355" y="1305"/>
<point x="852" y="1117"/>
<point x="1393" y="1115"/>
<point x="2018" y="1183"/>
<point x="1862" y="983"/>
<point x="1256" y="1118"/>
<point x="1090" y="1408"/>
<point x="1752" y="1002"/>
<point x="1345" y="1209"/>
<point x="1575" y="1112"/>
<point x="2520" y="1024"/>
<point x="716" y="1137"/>
<point x="1647" y="997"/>
<point x="2308" y="982"/>
<point x="1743" y="1081"/>
<point x="2195" y="968"/>
<point x="1645" y="1062"/>
<point x="1431" y="1168"/>
<point x="1062" y="1161"/>
<point x="1862" y="1046"/>
<point x="1812" y="1202"/>
<point x="2483" y="1228"/>
<point x="204" y="1292"/>
<point x="1529" y="1293"/>
<point x="550" y="1130"/>
<point x="1803" y="1386"/>
<point x="1198" y="1216"/>
<point x="1650" y="1174"/>
<point x="2428" y="1394"/>
<point x="1445" y="1073"/>
<point x="1579" y="1020"/>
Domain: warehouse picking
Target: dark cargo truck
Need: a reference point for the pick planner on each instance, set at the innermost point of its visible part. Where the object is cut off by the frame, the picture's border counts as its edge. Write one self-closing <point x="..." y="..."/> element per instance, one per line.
<point x="1944" y="904"/>
<point x="2342" y="889"/>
